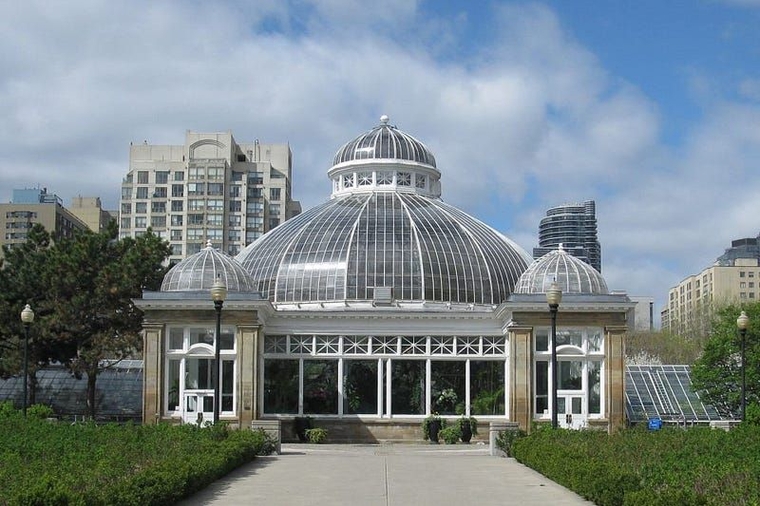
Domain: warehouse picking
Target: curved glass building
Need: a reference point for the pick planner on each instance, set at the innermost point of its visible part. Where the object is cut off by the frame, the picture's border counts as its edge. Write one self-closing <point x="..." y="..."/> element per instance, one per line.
<point x="377" y="308"/>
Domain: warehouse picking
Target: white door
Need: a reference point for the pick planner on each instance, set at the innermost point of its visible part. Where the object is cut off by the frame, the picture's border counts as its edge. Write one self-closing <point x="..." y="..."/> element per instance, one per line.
<point x="198" y="407"/>
<point x="571" y="413"/>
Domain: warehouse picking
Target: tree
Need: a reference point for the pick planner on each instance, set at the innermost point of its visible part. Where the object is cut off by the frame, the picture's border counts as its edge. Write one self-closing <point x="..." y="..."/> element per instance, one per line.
<point x="91" y="297"/>
<point x="717" y="373"/>
<point x="661" y="347"/>
<point x="24" y="275"/>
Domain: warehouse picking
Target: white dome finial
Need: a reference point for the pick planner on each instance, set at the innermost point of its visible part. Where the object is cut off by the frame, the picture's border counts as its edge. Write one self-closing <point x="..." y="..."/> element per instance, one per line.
<point x="560" y="247"/>
<point x="208" y="243"/>
<point x="384" y="119"/>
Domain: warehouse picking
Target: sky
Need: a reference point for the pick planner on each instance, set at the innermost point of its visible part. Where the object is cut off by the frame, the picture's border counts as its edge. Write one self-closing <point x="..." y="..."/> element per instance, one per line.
<point x="650" y="108"/>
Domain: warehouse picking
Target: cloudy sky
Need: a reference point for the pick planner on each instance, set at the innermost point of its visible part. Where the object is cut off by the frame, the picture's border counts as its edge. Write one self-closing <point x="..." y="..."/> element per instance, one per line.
<point x="651" y="108"/>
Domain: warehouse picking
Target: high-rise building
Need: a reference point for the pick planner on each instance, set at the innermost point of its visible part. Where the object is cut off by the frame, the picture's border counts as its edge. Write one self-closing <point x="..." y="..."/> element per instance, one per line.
<point x="574" y="227"/>
<point x="90" y="211"/>
<point x="209" y="189"/>
<point x="35" y="205"/>
<point x="734" y="277"/>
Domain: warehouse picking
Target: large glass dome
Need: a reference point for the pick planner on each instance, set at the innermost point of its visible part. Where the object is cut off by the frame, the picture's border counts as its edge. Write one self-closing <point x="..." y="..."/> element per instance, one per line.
<point x="384" y="241"/>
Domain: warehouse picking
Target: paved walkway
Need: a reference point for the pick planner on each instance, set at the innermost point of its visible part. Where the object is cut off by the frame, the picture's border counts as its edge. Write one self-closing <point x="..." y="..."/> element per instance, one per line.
<point x="383" y="475"/>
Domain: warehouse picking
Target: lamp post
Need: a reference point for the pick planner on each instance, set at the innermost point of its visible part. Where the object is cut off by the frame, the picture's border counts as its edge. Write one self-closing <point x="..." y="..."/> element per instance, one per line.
<point x="218" y="294"/>
<point x="554" y="297"/>
<point x="27" y="317"/>
<point x="741" y="322"/>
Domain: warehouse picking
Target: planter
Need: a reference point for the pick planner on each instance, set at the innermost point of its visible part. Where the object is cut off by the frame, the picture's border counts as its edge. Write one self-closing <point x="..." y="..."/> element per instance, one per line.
<point x="300" y="425"/>
<point x="434" y="427"/>
<point x="466" y="432"/>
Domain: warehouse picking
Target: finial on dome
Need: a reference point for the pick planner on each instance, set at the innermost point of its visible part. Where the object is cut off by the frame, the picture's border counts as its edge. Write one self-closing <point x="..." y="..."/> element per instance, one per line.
<point x="208" y="243"/>
<point x="384" y="119"/>
<point x="560" y="248"/>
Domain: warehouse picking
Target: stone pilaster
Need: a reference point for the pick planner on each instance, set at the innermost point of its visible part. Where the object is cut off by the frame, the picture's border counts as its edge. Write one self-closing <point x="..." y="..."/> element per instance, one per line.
<point x="520" y="376"/>
<point x="153" y="372"/>
<point x="249" y="337"/>
<point x="615" y="375"/>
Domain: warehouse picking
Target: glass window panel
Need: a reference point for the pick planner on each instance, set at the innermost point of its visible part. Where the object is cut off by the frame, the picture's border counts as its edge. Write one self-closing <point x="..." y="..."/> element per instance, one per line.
<point x="360" y="387"/>
<point x="176" y="339"/>
<point x="468" y="345"/>
<point x="487" y="388"/>
<point x="570" y="375"/>
<point x="228" y="384"/>
<point x="594" y="387"/>
<point x="354" y="345"/>
<point x="320" y="387"/>
<point x="227" y="341"/>
<point x="198" y="373"/>
<point x="541" y="387"/>
<point x="408" y="387"/>
<point x="447" y="387"/>
<point x="576" y="403"/>
<point x="542" y="340"/>
<point x="571" y="337"/>
<point x="173" y="382"/>
<point x="280" y="386"/>
<point x="201" y="335"/>
<point x="595" y="340"/>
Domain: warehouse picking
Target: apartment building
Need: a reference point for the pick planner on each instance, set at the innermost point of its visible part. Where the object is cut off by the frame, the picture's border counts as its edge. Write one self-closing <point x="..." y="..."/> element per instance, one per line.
<point x="734" y="277"/>
<point x="209" y="189"/>
<point x="574" y="227"/>
<point x="36" y="205"/>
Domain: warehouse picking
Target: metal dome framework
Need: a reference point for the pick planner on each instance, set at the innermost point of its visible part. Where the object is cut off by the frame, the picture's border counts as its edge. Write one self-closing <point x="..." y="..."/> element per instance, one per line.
<point x="199" y="271"/>
<point x="416" y="247"/>
<point x="571" y="274"/>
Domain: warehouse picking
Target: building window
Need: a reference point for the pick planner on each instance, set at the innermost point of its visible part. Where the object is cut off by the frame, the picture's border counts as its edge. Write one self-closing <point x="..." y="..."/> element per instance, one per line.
<point x="179" y="175"/>
<point x="126" y="192"/>
<point x="158" y="221"/>
<point x="274" y="193"/>
<point x="215" y="220"/>
<point x="403" y="179"/>
<point x="195" y="173"/>
<point x="237" y="175"/>
<point x="216" y="173"/>
<point x="178" y="190"/>
<point x="742" y="284"/>
<point x="365" y="178"/>
<point x="126" y="223"/>
<point x="274" y="209"/>
<point x="177" y="220"/>
<point x="142" y="192"/>
<point x="142" y="177"/>
<point x="162" y="176"/>
<point x="236" y="206"/>
<point x="273" y="222"/>
<point x="235" y="220"/>
<point x="195" y="219"/>
<point x="742" y="274"/>
<point x="255" y="193"/>
<point x="126" y="209"/>
<point x="196" y="188"/>
<point x="176" y="235"/>
<point x="216" y="189"/>
<point x="215" y="205"/>
<point x="196" y="204"/>
<point x="159" y="192"/>
<point x="384" y="178"/>
<point x="158" y="207"/>
<point x="176" y="249"/>
<point x="348" y="180"/>
<point x="420" y="181"/>
<point x="177" y="206"/>
<point x="141" y="222"/>
<point x="141" y="207"/>
<point x="235" y="191"/>
<point x="255" y="178"/>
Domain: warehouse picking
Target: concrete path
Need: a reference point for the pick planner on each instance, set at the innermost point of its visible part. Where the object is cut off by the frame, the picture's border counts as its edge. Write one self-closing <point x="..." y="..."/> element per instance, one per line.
<point x="383" y="475"/>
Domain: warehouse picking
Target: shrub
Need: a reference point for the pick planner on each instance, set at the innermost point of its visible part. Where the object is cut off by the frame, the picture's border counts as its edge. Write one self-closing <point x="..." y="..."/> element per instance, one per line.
<point x="506" y="439"/>
<point x="450" y="435"/>
<point x="316" y="435"/>
<point x="40" y="411"/>
<point x="426" y="425"/>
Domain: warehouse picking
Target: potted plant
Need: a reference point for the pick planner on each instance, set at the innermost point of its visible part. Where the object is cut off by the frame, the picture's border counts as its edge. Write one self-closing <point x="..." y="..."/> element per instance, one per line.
<point x="431" y="426"/>
<point x="316" y="435"/>
<point x="450" y="435"/>
<point x="300" y="425"/>
<point x="468" y="427"/>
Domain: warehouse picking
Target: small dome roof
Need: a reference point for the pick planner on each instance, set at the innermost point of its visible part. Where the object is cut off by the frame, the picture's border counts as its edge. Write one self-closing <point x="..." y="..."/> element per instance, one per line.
<point x="199" y="271"/>
<point x="385" y="142"/>
<point x="572" y="274"/>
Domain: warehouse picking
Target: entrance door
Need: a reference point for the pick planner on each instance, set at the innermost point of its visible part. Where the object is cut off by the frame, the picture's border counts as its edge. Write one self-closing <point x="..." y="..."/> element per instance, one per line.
<point x="198" y="407"/>
<point x="571" y="414"/>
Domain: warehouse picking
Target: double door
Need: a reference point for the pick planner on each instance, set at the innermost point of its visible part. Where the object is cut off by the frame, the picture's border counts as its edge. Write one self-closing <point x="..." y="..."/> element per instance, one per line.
<point x="571" y="413"/>
<point x="198" y="407"/>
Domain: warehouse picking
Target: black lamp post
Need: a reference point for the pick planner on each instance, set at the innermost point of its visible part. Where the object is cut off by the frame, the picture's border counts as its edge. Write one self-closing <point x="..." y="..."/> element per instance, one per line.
<point x="27" y="317"/>
<point x="218" y="294"/>
<point x="554" y="297"/>
<point x="741" y="322"/>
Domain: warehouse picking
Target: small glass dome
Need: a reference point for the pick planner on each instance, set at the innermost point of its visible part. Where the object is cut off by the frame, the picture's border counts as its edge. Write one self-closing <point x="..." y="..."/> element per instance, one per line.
<point x="385" y="142"/>
<point x="571" y="274"/>
<point x="199" y="271"/>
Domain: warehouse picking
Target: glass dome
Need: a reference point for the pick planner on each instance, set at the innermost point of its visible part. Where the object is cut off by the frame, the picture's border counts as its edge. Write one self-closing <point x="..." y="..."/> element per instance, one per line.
<point x="199" y="271"/>
<point x="571" y="274"/>
<point x="384" y="142"/>
<point x="384" y="244"/>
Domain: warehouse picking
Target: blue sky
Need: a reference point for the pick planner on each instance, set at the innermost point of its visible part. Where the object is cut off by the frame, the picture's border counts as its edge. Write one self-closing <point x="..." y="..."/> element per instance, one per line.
<point x="650" y="108"/>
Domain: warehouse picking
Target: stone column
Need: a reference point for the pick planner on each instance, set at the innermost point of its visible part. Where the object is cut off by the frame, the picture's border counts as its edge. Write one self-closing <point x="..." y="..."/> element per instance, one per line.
<point x="614" y="351"/>
<point x="249" y="336"/>
<point x="520" y="376"/>
<point x="153" y="372"/>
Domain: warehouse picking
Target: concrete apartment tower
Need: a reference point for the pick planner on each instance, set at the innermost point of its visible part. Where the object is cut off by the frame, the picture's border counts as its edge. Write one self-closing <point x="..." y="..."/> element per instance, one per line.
<point x="209" y="189"/>
<point x="574" y="227"/>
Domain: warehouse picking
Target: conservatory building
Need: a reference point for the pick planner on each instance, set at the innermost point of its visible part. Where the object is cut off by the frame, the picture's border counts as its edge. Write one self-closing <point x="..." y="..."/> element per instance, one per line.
<point x="381" y="306"/>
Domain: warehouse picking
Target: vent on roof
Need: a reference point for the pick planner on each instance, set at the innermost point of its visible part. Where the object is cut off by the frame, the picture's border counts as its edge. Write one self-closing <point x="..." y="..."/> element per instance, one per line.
<point x="383" y="295"/>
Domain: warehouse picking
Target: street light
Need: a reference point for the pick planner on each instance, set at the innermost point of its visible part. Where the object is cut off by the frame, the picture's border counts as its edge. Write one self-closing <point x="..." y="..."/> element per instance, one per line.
<point x="218" y="294"/>
<point x="27" y="317"/>
<point x="741" y="322"/>
<point x="554" y="297"/>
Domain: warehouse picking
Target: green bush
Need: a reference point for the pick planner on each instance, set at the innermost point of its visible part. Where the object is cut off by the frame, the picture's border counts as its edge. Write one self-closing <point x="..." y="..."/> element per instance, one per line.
<point x="40" y="411"/>
<point x="450" y="435"/>
<point x="632" y="467"/>
<point x="316" y="435"/>
<point x="44" y="463"/>
<point x="505" y="441"/>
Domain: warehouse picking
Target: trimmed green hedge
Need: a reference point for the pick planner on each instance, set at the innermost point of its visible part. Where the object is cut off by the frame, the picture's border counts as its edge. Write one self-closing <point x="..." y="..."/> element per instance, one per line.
<point x="636" y="467"/>
<point x="58" y="463"/>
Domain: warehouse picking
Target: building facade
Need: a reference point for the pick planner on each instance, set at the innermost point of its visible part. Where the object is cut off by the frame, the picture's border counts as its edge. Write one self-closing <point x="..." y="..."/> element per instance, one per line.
<point x="379" y="307"/>
<point x="574" y="227"/>
<point x="209" y="189"/>
<point x="30" y="206"/>
<point x="734" y="278"/>
<point x="91" y="212"/>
